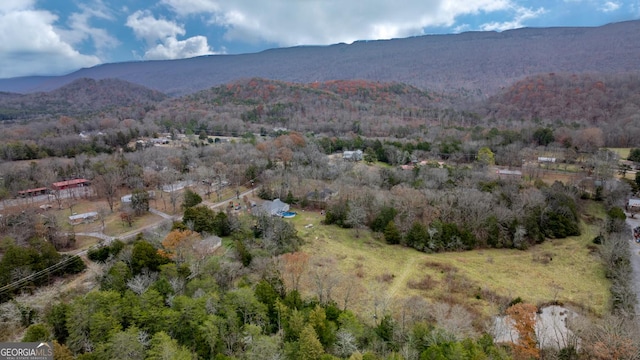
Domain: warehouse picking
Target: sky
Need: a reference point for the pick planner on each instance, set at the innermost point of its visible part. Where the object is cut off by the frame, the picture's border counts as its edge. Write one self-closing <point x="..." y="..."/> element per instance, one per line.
<point x="56" y="37"/>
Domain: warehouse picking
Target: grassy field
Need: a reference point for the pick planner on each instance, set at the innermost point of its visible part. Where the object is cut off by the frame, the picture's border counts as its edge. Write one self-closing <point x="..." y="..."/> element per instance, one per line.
<point x="622" y="152"/>
<point x="378" y="276"/>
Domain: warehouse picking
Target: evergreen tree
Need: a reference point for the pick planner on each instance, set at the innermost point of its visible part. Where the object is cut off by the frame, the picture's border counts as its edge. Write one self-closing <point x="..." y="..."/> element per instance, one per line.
<point x="310" y="347"/>
<point x="140" y="201"/>
<point x="417" y="236"/>
<point x="244" y="255"/>
<point x="191" y="199"/>
<point x="386" y="214"/>
<point x="56" y="317"/>
<point x="634" y="155"/>
<point x="36" y="332"/>
<point x="144" y="255"/>
<point x="543" y="136"/>
<point x="392" y="234"/>
<point x="201" y="218"/>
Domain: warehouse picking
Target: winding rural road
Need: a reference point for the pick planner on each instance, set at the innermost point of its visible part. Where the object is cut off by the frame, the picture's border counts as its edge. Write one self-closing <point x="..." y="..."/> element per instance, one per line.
<point x="635" y="261"/>
<point x="164" y="216"/>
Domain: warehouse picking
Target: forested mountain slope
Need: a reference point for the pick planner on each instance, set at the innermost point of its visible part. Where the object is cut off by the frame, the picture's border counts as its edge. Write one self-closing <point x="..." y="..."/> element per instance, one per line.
<point x="82" y="96"/>
<point x="334" y="107"/>
<point x="473" y="63"/>
<point x="606" y="101"/>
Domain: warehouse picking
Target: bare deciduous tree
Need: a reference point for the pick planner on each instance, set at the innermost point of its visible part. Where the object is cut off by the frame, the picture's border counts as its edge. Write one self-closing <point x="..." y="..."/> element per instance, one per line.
<point x="107" y="181"/>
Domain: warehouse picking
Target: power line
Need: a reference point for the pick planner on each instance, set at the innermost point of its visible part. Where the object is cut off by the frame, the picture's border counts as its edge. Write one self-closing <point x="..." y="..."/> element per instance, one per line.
<point x="47" y="271"/>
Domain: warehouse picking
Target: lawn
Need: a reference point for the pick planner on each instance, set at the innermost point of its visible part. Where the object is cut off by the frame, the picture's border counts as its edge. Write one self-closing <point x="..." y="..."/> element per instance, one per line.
<point x="375" y="276"/>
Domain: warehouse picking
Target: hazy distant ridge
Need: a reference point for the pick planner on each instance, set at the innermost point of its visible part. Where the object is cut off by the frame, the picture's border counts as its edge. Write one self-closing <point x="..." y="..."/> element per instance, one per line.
<point x="483" y="61"/>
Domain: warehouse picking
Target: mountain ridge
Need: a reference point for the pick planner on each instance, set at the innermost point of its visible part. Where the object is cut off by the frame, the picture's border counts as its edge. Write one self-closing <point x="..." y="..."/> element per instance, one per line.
<point x="81" y="96"/>
<point x="478" y="62"/>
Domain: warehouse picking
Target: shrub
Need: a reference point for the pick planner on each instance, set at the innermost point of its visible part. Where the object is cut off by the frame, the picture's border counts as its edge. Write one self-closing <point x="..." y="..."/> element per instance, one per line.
<point x="37" y="332"/>
<point x="616" y="219"/>
<point x="337" y="213"/>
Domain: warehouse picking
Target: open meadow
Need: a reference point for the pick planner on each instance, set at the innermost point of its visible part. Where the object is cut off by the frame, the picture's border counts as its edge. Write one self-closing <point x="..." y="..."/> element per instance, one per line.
<point x="373" y="277"/>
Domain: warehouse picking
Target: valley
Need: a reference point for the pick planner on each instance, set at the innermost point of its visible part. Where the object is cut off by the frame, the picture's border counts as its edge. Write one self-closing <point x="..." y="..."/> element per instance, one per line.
<point x="377" y="217"/>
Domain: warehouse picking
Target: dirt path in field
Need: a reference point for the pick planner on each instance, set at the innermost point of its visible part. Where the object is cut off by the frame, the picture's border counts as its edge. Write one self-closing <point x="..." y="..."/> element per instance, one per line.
<point x="400" y="281"/>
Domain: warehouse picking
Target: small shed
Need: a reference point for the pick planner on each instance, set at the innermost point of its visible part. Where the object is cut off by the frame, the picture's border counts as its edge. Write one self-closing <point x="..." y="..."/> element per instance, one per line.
<point x="83" y="218"/>
<point x="357" y="155"/>
<point x="33" y="192"/>
<point x="507" y="172"/>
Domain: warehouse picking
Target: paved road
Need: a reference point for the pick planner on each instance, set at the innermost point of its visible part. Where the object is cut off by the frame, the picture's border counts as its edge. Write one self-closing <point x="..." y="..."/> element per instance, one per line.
<point x="161" y="214"/>
<point x="635" y="260"/>
<point x="131" y="234"/>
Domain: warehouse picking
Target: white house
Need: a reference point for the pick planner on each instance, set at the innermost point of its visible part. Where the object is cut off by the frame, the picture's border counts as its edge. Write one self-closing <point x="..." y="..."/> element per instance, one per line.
<point x="275" y="207"/>
<point x="176" y="186"/>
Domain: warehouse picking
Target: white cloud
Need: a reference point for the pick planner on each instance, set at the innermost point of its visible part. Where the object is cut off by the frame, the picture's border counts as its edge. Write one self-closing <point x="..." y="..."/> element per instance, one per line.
<point x="81" y="30"/>
<point x="161" y="37"/>
<point x="7" y="6"/>
<point x="188" y="7"/>
<point x="30" y="43"/>
<point x="146" y="26"/>
<point x="610" y="6"/>
<point x="172" y="48"/>
<point x="295" y="22"/>
<point x="522" y="14"/>
<point x="606" y="6"/>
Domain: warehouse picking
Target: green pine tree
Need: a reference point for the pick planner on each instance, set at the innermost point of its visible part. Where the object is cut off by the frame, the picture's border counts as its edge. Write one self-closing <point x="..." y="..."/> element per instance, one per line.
<point x="392" y="234"/>
<point x="310" y="347"/>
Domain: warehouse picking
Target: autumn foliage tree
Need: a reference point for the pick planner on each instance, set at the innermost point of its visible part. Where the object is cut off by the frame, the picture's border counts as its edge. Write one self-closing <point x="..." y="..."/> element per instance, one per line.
<point x="177" y="245"/>
<point x="523" y="317"/>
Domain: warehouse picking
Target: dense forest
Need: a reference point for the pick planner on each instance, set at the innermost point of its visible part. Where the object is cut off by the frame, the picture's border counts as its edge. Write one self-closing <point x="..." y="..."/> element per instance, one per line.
<point x="588" y="115"/>
<point x="429" y="180"/>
